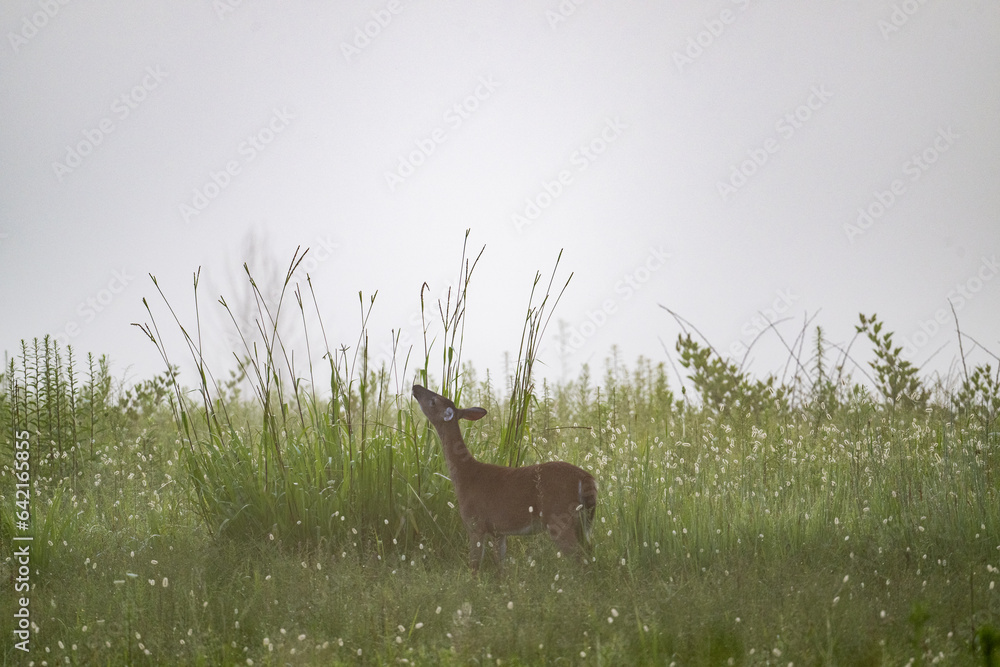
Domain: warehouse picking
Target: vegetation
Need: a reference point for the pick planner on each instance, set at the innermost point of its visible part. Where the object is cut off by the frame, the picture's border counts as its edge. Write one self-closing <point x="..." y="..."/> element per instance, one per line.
<point x="812" y="520"/>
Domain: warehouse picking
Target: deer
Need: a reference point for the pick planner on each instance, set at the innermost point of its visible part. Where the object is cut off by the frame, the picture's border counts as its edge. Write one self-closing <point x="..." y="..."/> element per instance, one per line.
<point x="497" y="501"/>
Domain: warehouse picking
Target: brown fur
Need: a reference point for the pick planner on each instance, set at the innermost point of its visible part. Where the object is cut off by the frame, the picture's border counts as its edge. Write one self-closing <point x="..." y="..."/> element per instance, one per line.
<point x="496" y="501"/>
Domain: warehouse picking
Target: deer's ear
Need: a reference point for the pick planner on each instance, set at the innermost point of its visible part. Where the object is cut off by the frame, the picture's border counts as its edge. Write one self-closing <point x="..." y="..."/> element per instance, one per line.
<point x="448" y="415"/>
<point x="473" y="414"/>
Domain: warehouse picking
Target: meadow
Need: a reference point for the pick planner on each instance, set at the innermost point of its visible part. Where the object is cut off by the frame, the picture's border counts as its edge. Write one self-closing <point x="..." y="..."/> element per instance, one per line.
<point x="846" y="514"/>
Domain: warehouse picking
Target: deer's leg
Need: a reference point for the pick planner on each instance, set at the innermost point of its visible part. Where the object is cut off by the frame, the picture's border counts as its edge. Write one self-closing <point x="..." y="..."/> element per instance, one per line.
<point x="500" y="549"/>
<point x="562" y="530"/>
<point x="477" y="549"/>
<point x="582" y="528"/>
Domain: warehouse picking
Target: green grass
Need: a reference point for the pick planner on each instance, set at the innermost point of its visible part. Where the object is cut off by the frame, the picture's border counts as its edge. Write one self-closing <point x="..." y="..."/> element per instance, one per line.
<point x="746" y="579"/>
<point x="311" y="523"/>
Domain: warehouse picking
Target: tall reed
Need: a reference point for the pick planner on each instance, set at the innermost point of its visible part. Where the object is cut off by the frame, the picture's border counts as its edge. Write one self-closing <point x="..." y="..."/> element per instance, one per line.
<point x="349" y="464"/>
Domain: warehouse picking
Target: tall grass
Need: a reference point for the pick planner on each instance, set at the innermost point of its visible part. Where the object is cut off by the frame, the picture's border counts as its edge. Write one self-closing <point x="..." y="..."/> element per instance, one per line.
<point x="300" y="464"/>
<point x="515" y="431"/>
<point x="46" y="395"/>
<point x="814" y="520"/>
<point x="348" y="462"/>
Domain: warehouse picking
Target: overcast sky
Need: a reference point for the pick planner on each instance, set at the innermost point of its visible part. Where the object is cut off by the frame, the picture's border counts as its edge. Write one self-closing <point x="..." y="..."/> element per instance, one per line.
<point x="727" y="159"/>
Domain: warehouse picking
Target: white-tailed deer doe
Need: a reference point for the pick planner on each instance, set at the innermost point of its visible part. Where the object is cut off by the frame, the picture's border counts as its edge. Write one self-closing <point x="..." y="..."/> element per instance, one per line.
<point x="496" y="501"/>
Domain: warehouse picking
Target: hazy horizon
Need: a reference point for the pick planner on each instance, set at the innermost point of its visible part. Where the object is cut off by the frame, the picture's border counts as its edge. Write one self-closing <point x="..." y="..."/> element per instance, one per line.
<point x="736" y="163"/>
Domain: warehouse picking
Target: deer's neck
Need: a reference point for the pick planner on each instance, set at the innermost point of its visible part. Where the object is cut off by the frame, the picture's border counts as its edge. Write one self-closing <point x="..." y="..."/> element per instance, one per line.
<point x="457" y="455"/>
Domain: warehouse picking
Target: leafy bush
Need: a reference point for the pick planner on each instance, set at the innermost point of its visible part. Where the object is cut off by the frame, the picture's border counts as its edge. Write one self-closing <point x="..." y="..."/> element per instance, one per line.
<point x="978" y="399"/>
<point x="722" y="386"/>
<point x="896" y="379"/>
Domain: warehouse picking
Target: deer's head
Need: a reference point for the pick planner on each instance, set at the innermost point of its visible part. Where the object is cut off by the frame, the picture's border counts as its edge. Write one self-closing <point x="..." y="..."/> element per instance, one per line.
<point x="441" y="412"/>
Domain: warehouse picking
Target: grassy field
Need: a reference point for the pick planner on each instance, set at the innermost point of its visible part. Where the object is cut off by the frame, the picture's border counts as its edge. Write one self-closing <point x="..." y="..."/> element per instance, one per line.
<point x="267" y="521"/>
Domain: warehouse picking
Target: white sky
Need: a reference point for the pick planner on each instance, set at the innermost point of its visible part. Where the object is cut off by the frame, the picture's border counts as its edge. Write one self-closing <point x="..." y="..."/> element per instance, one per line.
<point x="886" y="81"/>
